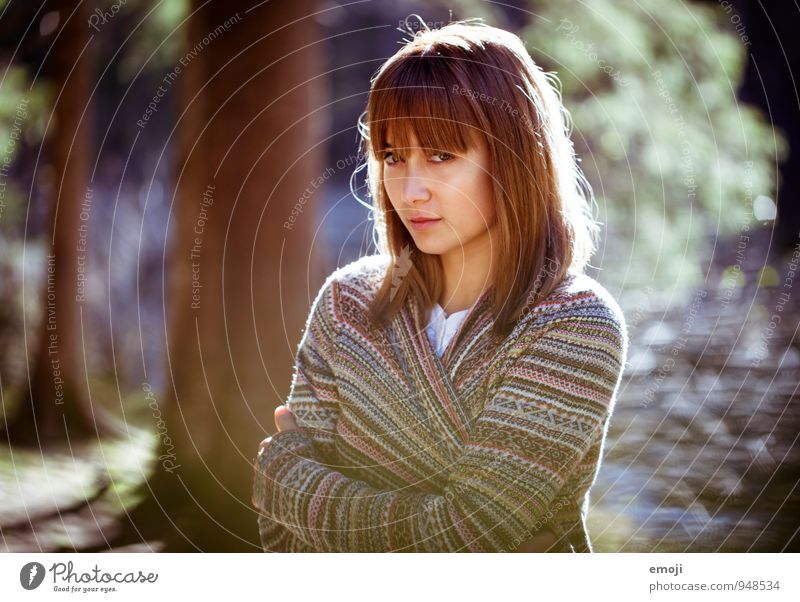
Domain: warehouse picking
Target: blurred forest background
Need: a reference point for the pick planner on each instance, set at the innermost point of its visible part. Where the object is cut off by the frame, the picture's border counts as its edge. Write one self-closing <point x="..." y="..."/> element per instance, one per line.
<point x="176" y="180"/>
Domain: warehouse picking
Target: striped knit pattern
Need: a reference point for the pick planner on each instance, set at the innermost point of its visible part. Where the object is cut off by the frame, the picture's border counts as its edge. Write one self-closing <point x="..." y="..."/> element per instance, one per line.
<point x="400" y="450"/>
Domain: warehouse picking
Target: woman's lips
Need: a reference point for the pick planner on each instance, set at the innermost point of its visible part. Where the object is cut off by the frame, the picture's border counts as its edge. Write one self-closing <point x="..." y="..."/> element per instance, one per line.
<point x="425" y="224"/>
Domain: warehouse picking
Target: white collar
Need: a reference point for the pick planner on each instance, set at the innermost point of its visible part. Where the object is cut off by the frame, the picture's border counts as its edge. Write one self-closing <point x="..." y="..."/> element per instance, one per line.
<point x="438" y="312"/>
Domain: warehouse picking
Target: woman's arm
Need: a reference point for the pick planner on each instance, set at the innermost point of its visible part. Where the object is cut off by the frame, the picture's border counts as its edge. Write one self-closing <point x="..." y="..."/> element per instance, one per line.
<point x="552" y="407"/>
<point x="313" y="400"/>
<point x="282" y="540"/>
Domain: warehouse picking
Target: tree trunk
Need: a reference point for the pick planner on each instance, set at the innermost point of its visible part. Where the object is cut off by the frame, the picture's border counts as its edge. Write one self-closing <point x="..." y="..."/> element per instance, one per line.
<point x="240" y="284"/>
<point x="57" y="409"/>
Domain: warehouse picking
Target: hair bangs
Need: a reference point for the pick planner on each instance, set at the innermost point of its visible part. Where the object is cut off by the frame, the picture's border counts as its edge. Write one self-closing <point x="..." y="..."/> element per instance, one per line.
<point x="419" y="97"/>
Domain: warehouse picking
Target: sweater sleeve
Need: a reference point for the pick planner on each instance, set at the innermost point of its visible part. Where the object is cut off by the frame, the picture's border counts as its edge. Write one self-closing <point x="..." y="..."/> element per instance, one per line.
<point x="313" y="399"/>
<point x="552" y="405"/>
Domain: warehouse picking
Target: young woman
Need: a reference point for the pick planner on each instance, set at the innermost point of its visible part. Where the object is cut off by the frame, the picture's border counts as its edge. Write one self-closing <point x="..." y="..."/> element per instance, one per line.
<point x="453" y="392"/>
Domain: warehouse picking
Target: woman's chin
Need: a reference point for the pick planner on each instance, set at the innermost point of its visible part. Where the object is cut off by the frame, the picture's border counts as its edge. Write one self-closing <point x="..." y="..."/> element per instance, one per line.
<point x="431" y="247"/>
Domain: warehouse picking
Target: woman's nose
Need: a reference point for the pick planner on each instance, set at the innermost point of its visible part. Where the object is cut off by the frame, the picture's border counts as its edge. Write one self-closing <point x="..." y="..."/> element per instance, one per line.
<point x="416" y="186"/>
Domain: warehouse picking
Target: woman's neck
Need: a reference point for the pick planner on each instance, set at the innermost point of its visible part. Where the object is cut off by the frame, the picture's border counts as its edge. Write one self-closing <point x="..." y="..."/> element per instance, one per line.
<point x="467" y="274"/>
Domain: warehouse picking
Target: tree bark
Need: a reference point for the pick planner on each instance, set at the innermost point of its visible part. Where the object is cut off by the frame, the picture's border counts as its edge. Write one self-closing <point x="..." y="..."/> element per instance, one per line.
<point x="240" y="284"/>
<point x="56" y="408"/>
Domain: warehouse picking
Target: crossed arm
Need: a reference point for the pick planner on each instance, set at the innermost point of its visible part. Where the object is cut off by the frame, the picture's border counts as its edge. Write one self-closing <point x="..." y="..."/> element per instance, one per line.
<point x="521" y="451"/>
<point x="542" y="540"/>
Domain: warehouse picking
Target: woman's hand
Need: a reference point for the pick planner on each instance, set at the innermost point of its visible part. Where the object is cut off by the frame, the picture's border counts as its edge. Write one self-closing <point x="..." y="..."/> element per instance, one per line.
<point x="284" y="421"/>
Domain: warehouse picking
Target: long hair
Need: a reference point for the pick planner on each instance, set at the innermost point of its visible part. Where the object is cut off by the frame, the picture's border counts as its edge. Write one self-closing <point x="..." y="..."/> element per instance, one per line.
<point x="443" y="86"/>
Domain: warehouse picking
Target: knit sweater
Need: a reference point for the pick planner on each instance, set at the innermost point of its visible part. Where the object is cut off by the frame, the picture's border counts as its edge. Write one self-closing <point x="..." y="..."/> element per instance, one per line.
<point x="400" y="450"/>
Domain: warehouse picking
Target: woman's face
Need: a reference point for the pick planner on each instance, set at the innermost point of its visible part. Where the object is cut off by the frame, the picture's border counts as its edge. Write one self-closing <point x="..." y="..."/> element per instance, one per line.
<point x="455" y="191"/>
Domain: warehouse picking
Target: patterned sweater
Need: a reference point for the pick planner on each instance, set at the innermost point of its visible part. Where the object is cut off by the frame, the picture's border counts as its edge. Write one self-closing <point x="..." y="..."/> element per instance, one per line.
<point x="400" y="450"/>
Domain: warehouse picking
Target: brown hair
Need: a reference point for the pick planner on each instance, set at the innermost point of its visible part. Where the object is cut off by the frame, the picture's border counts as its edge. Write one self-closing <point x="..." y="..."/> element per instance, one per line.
<point x="445" y="85"/>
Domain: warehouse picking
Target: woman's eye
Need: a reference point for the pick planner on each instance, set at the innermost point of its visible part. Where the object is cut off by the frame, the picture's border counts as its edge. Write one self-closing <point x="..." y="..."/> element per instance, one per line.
<point x="389" y="158"/>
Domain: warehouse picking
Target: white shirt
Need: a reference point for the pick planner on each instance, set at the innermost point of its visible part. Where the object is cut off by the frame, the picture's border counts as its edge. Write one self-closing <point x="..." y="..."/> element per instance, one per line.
<point x="442" y="328"/>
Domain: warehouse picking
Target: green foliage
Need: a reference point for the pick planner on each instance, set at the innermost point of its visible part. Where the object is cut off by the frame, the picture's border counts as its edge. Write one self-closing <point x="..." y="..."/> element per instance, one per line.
<point x="671" y="155"/>
<point x="23" y="112"/>
<point x="157" y="38"/>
